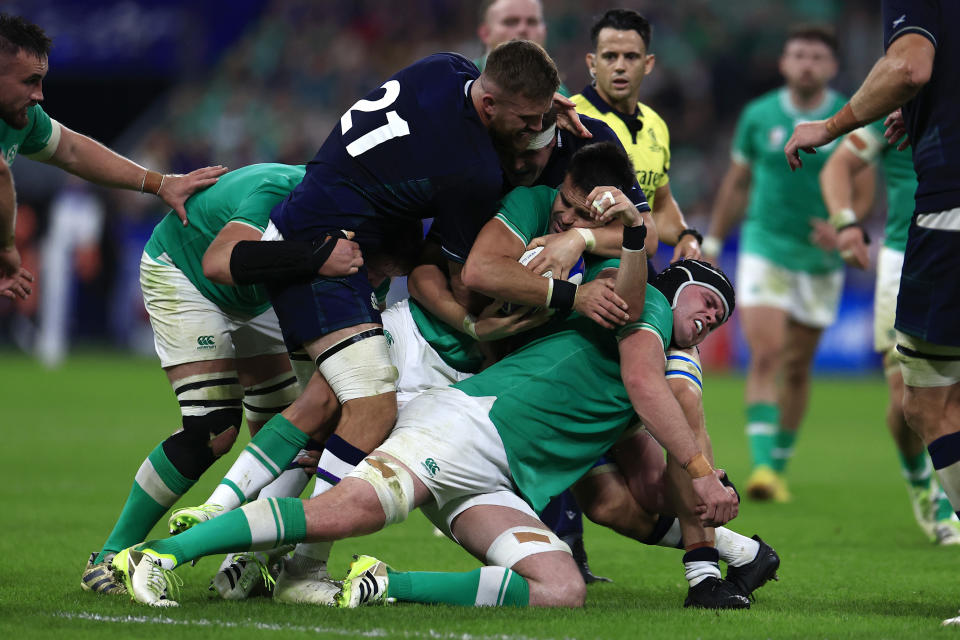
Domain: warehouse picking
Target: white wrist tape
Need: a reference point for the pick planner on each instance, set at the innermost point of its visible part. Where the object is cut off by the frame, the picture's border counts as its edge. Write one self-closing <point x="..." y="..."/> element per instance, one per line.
<point x="843" y="217"/>
<point x="711" y="246"/>
<point x="601" y="203"/>
<point x="589" y="240"/>
<point x="470" y="326"/>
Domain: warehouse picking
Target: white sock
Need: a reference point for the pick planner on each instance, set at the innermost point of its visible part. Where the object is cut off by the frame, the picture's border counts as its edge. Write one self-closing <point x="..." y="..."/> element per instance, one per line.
<point x="289" y="484"/>
<point x="699" y="570"/>
<point x="673" y="537"/>
<point x="244" y="479"/>
<point x="736" y="550"/>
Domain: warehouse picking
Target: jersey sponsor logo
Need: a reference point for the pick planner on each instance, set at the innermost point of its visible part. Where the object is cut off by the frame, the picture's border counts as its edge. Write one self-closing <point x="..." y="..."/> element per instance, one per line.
<point x="206" y="342"/>
<point x="431" y="466"/>
<point x="655" y="145"/>
<point x="649" y="178"/>
<point x="899" y="21"/>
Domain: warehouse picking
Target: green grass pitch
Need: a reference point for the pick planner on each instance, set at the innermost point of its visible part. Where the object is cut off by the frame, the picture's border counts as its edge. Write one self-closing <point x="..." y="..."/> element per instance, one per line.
<point x="854" y="564"/>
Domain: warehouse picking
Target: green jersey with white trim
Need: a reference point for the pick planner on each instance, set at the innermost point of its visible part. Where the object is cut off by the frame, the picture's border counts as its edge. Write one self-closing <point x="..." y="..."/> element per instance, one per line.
<point x="783" y="202"/>
<point x="38" y="140"/>
<point x="247" y="196"/>
<point x="899" y="178"/>
<point x="560" y="400"/>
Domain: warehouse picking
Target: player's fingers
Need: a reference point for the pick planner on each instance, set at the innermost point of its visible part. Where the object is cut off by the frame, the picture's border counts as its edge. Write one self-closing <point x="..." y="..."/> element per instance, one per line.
<point x="181" y="213"/>
<point x="26" y="275"/>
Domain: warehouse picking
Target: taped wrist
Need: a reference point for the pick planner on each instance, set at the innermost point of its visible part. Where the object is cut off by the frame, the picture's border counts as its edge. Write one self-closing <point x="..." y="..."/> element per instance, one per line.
<point x="698" y="466"/>
<point x="633" y="237"/>
<point x="255" y="261"/>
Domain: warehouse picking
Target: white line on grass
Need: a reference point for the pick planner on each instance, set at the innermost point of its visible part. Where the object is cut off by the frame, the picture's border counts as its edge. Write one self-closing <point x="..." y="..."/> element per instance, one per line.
<point x="273" y="626"/>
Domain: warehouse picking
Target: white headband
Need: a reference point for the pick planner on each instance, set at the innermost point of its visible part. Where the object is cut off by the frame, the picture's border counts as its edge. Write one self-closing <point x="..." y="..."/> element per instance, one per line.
<point x="543" y="138"/>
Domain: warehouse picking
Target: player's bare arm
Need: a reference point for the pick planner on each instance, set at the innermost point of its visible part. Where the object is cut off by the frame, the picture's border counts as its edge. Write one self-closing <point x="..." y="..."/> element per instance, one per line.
<point x="429" y="286"/>
<point x="728" y="208"/>
<point x="641" y="365"/>
<point x="838" y="186"/>
<point x="90" y="160"/>
<point x="894" y="80"/>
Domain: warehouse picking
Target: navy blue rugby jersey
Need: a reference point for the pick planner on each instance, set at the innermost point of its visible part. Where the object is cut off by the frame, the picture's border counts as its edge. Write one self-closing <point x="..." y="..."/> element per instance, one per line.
<point x="568" y="144"/>
<point x="933" y="115"/>
<point x="411" y="149"/>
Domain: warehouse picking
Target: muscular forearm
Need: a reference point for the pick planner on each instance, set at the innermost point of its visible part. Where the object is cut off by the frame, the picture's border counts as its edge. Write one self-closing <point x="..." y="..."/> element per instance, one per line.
<point x="631" y="283"/>
<point x="8" y="206"/>
<point x="429" y="286"/>
<point x="90" y="160"/>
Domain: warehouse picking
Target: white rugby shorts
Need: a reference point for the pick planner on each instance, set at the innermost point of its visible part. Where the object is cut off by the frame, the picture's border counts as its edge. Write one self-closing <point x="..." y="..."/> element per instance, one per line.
<point x="419" y="366"/>
<point x="809" y="298"/>
<point x="889" y="266"/>
<point x="188" y="327"/>
<point x="447" y="439"/>
<point x="940" y="369"/>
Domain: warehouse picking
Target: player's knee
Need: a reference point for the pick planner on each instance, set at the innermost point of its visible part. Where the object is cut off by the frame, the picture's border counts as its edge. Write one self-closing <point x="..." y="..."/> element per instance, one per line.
<point x="915" y="412"/>
<point x="562" y="589"/>
<point x="608" y="508"/>
<point x="202" y="440"/>
<point x="764" y="360"/>
<point x="359" y="367"/>
<point x="392" y="483"/>
<point x="265" y="399"/>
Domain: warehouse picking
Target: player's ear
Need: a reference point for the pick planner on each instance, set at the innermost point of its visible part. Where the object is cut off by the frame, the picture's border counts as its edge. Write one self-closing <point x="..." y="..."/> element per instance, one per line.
<point x="483" y="32"/>
<point x="649" y="63"/>
<point x="591" y="60"/>
<point x="489" y="104"/>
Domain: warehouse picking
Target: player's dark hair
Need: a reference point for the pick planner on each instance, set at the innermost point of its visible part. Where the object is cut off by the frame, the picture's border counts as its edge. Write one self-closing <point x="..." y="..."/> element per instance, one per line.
<point x="522" y="67"/>
<point x="601" y="164"/>
<point x="816" y="32"/>
<point x="401" y="251"/>
<point x="622" y="20"/>
<point x="16" y="34"/>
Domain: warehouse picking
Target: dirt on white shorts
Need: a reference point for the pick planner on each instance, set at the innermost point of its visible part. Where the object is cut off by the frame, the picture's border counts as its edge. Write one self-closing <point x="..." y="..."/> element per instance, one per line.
<point x="811" y="299"/>
<point x="419" y="366"/>
<point x="187" y="327"/>
<point x="447" y="439"/>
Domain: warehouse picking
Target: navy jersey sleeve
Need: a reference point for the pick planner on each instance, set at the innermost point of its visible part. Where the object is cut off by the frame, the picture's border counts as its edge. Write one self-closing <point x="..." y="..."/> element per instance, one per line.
<point x="901" y="17"/>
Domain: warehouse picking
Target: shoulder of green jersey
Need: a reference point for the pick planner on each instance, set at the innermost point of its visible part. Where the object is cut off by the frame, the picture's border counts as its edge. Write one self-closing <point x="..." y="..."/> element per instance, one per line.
<point x="52" y="143"/>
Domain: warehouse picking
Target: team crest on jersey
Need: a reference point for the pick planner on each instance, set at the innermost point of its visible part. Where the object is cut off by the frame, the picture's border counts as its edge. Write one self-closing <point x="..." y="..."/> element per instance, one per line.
<point x="655" y="146"/>
<point x="777" y="137"/>
<point x="11" y="153"/>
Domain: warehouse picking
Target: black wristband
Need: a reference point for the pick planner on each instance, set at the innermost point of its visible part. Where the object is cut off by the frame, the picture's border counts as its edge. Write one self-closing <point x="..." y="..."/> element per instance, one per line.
<point x="866" y="236"/>
<point x="690" y="231"/>
<point x="564" y="293"/>
<point x="256" y="261"/>
<point x="633" y="237"/>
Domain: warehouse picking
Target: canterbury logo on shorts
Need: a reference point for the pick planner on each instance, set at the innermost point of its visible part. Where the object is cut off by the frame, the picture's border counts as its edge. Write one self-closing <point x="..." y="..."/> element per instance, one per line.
<point x="205" y="342"/>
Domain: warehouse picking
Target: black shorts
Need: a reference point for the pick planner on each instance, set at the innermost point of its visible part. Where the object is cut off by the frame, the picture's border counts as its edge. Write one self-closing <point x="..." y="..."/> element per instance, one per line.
<point x="310" y="310"/>
<point x="928" y="305"/>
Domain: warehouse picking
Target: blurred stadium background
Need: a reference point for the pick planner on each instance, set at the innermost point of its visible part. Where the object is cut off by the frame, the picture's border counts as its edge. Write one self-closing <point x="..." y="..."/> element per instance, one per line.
<point x="181" y="84"/>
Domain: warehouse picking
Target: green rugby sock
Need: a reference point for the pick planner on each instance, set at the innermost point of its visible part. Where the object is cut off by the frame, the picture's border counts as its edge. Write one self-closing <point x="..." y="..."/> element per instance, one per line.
<point x="262" y="524"/>
<point x="763" y="421"/>
<point x="260" y="463"/>
<point x="156" y="487"/>
<point x="783" y="449"/>
<point x="484" y="587"/>
<point x="916" y="469"/>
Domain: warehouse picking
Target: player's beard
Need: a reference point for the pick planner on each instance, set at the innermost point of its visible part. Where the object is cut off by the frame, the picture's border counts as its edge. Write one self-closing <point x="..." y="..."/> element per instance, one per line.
<point x="15" y="119"/>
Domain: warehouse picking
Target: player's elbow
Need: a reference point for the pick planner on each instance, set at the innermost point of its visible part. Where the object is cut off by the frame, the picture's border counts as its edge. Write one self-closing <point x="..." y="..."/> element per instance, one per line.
<point x="473" y="275"/>
<point x="913" y="73"/>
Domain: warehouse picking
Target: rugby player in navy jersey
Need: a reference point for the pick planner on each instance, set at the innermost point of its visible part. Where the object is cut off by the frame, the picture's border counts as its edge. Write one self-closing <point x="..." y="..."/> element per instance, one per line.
<point x="916" y="78"/>
<point x="423" y="145"/>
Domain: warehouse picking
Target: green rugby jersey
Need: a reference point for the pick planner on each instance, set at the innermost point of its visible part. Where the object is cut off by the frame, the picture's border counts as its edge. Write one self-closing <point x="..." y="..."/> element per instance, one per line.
<point x="560" y="400"/>
<point x="526" y="212"/>
<point x="246" y="195"/>
<point x="38" y="140"/>
<point x="900" y="181"/>
<point x="783" y="202"/>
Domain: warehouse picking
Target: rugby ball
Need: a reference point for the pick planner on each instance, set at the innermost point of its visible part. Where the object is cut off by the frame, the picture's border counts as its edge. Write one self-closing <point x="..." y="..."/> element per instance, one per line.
<point x="575" y="276"/>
